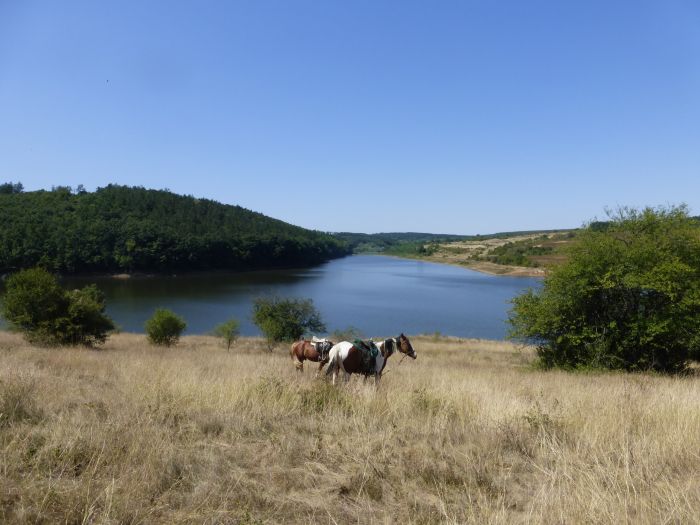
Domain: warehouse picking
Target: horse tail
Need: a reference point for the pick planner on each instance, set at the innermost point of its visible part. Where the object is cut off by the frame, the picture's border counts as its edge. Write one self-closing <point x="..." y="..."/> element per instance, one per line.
<point x="333" y="356"/>
<point x="298" y="363"/>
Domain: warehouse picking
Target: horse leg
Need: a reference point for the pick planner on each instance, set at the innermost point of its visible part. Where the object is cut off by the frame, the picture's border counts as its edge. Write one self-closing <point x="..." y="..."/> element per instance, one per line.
<point x="332" y="371"/>
<point x="298" y="364"/>
<point x="295" y="358"/>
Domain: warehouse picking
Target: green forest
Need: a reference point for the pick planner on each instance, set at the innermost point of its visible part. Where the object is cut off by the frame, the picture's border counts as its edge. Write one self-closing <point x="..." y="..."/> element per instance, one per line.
<point x="120" y="229"/>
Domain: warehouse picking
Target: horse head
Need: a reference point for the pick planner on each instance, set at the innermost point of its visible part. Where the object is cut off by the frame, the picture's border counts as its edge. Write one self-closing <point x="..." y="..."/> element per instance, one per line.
<point x="405" y="346"/>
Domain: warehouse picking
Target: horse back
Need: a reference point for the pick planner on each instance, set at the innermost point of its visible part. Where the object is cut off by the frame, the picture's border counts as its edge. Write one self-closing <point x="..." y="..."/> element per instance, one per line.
<point x="349" y="357"/>
<point x="305" y="350"/>
<point x="299" y="348"/>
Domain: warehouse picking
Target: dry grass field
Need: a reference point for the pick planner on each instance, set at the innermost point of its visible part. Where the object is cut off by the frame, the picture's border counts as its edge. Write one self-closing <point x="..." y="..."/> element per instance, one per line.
<point x="467" y="433"/>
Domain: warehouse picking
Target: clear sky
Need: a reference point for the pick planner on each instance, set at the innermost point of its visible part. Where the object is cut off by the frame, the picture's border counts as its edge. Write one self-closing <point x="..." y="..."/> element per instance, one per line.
<point x="361" y="115"/>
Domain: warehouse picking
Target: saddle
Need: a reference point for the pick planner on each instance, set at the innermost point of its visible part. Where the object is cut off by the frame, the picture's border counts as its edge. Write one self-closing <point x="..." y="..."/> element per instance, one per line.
<point x="322" y="346"/>
<point x="369" y="352"/>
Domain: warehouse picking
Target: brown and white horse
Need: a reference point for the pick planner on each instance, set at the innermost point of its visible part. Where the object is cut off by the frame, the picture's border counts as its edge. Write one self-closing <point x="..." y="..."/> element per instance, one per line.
<point x="315" y="350"/>
<point x="346" y="357"/>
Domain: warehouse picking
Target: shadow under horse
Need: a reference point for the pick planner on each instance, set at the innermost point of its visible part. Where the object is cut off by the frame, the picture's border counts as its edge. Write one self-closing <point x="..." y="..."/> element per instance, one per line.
<point x="316" y="350"/>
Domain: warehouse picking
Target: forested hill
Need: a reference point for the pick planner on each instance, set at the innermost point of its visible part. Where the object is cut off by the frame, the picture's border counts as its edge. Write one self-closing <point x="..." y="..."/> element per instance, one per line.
<point x="127" y="229"/>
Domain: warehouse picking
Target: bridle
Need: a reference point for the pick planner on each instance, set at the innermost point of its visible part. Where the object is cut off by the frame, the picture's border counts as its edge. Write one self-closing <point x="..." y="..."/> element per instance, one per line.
<point x="395" y="344"/>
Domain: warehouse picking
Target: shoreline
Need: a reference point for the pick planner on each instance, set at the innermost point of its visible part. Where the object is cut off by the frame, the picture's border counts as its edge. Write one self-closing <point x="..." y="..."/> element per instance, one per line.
<point x="485" y="267"/>
<point x="184" y="273"/>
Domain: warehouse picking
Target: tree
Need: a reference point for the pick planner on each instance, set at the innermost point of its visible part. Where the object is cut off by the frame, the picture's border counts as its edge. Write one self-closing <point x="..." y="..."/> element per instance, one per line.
<point x="36" y="304"/>
<point x="228" y="331"/>
<point x="286" y="319"/>
<point x="87" y="323"/>
<point x="33" y="301"/>
<point x="627" y="298"/>
<point x="165" y="327"/>
<point x="8" y="188"/>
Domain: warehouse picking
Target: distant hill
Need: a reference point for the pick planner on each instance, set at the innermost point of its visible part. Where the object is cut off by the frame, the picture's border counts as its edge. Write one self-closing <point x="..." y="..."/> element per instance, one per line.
<point x="381" y="242"/>
<point x="405" y="243"/>
<point x="130" y="229"/>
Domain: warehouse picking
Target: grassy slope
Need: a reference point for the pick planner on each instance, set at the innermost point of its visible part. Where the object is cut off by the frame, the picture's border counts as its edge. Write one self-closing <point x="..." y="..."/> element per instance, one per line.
<point x="464" y="434"/>
<point x="474" y="254"/>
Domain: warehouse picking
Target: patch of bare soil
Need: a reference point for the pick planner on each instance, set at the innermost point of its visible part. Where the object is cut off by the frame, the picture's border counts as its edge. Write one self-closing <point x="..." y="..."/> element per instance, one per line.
<point x="467" y="254"/>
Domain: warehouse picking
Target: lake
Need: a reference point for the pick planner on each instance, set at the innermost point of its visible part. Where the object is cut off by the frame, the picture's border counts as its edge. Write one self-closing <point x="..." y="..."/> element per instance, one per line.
<point x="378" y="295"/>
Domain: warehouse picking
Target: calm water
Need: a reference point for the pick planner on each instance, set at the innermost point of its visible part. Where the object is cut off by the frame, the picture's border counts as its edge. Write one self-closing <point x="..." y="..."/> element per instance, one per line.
<point x="378" y="295"/>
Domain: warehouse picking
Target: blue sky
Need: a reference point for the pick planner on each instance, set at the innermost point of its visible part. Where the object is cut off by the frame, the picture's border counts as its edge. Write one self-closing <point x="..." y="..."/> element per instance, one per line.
<point x="366" y="116"/>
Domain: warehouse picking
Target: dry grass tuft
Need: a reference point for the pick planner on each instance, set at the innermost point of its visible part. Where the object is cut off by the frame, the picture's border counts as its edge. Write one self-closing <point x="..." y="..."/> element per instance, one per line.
<point x="468" y="433"/>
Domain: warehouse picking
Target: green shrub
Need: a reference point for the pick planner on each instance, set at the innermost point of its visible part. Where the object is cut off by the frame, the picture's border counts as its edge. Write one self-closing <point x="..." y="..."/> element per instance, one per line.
<point x="228" y="331"/>
<point x="165" y="327"/>
<point x="627" y="298"/>
<point x="87" y="323"/>
<point x="518" y="253"/>
<point x="286" y="319"/>
<point x="36" y="305"/>
<point x="349" y="333"/>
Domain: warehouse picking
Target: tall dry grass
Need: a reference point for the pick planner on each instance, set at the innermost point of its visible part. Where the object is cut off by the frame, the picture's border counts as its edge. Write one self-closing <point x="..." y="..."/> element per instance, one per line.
<point x="465" y="434"/>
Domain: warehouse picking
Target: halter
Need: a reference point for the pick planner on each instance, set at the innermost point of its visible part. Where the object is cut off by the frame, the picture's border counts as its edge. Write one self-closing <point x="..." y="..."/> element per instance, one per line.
<point x="392" y="344"/>
<point x="401" y="351"/>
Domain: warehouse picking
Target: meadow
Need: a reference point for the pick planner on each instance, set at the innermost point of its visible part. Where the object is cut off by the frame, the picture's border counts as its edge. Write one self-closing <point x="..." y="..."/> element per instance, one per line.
<point x="467" y="433"/>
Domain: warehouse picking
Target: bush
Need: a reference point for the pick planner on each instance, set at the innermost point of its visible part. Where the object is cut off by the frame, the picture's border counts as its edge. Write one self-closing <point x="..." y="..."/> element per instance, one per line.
<point x="627" y="298"/>
<point x="518" y="253"/>
<point x="165" y="327"/>
<point x="228" y="331"/>
<point x="286" y="319"/>
<point x="87" y="323"/>
<point x="35" y="304"/>
<point x="349" y="333"/>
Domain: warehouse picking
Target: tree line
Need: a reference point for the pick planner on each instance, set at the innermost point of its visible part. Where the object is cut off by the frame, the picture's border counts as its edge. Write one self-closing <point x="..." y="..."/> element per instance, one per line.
<point x="120" y="229"/>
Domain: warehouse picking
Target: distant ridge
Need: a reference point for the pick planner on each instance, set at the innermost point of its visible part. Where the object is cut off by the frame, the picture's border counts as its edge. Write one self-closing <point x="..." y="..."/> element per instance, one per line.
<point x="121" y="229"/>
<point x="401" y="241"/>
